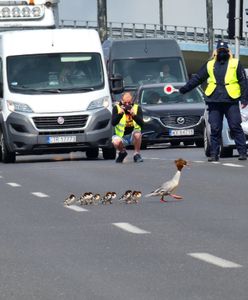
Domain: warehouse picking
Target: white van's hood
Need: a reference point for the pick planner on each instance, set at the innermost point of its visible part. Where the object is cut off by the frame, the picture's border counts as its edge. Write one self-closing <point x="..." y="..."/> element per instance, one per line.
<point x="62" y="103"/>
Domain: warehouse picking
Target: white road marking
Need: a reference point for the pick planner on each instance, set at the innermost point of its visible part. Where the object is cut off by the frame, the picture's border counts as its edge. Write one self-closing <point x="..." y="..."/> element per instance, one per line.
<point x="220" y="262"/>
<point x="13" y="184"/>
<point x="76" y="208"/>
<point x="130" y="228"/>
<point x="233" y="165"/>
<point x="40" y="195"/>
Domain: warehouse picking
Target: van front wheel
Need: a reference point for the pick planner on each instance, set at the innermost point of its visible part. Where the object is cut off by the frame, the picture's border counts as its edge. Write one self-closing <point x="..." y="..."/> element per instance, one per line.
<point x="92" y="153"/>
<point x="6" y="155"/>
<point x="109" y="153"/>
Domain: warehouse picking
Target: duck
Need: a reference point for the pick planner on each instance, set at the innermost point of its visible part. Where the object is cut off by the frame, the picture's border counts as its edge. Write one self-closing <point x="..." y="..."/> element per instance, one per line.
<point x="107" y="198"/>
<point x="169" y="187"/>
<point x="96" y="198"/>
<point x="136" y="195"/>
<point x="86" y="198"/>
<point x="126" y="197"/>
<point x="114" y="195"/>
<point x="70" y="200"/>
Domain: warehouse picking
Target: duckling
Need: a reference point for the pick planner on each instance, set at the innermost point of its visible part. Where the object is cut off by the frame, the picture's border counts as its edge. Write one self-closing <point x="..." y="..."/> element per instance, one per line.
<point x="96" y="199"/>
<point x="113" y="196"/>
<point x="69" y="200"/>
<point x="136" y="195"/>
<point x="86" y="198"/>
<point x="126" y="197"/>
<point x="169" y="187"/>
<point x="107" y="198"/>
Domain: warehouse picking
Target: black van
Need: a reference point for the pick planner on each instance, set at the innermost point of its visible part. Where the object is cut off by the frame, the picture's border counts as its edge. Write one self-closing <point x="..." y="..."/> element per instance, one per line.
<point x="141" y="61"/>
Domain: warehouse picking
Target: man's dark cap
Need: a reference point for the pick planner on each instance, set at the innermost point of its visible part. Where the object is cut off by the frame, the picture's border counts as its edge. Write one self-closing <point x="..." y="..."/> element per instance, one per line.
<point x="222" y="45"/>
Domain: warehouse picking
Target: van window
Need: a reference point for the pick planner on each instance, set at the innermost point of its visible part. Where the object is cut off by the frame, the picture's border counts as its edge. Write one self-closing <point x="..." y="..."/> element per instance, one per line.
<point x="144" y="71"/>
<point x="74" y="72"/>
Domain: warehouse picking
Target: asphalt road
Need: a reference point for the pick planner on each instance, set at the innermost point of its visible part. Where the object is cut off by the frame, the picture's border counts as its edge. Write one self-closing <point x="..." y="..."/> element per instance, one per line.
<point x="190" y="249"/>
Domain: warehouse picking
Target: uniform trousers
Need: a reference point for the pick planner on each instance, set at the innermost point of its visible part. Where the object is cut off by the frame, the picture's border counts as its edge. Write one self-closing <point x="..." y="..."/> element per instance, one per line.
<point x="232" y="113"/>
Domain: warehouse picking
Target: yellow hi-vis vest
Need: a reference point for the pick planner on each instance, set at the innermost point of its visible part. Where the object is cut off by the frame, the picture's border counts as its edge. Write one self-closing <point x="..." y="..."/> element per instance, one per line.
<point x="231" y="81"/>
<point x="120" y="127"/>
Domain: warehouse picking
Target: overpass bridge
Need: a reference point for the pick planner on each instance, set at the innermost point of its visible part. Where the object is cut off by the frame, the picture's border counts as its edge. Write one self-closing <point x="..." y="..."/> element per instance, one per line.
<point x="193" y="41"/>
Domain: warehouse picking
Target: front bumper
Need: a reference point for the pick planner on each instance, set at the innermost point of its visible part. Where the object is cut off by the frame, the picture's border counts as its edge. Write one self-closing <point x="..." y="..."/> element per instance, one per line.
<point x="155" y="131"/>
<point x="38" y="134"/>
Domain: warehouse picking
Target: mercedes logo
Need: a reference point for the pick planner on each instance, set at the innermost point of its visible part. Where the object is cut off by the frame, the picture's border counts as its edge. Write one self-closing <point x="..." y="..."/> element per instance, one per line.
<point x="60" y="120"/>
<point x="180" y="120"/>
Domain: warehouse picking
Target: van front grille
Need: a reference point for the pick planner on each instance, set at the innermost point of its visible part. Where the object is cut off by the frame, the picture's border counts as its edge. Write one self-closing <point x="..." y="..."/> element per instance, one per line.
<point x="65" y="122"/>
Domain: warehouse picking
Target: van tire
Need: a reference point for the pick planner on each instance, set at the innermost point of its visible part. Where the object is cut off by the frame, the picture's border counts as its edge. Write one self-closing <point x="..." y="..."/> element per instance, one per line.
<point x="109" y="153"/>
<point x="92" y="153"/>
<point x="6" y="156"/>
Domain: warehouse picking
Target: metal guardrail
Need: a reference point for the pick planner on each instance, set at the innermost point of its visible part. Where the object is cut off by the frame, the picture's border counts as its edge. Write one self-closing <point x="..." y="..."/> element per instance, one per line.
<point x="140" y="30"/>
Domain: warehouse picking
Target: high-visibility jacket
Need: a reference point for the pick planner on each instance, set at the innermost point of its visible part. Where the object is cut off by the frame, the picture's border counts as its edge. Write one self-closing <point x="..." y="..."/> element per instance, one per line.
<point x="120" y="127"/>
<point x="231" y="81"/>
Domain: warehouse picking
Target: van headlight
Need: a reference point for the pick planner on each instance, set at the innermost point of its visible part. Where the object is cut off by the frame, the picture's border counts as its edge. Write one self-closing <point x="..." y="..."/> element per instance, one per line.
<point x="99" y="103"/>
<point x="18" y="107"/>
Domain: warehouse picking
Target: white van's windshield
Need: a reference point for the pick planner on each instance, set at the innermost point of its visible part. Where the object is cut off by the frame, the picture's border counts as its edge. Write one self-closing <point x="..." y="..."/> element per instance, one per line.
<point x="144" y="71"/>
<point x="58" y="72"/>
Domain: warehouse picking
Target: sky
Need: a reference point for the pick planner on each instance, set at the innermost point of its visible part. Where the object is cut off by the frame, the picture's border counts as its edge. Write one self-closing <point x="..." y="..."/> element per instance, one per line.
<point x="175" y="12"/>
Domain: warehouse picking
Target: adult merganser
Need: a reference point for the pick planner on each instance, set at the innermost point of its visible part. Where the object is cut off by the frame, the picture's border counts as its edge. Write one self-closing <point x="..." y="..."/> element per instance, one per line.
<point x="168" y="188"/>
<point x="69" y="200"/>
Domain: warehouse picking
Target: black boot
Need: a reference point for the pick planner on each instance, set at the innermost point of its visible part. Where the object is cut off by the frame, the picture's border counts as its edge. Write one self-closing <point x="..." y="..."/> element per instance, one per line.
<point x="242" y="157"/>
<point x="213" y="158"/>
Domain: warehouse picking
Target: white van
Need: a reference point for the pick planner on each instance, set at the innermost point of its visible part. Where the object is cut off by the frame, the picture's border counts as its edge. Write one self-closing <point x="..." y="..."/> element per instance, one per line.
<point x="54" y="93"/>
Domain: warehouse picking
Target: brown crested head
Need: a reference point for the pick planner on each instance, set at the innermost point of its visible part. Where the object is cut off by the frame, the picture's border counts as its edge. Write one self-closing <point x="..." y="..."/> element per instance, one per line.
<point x="180" y="163"/>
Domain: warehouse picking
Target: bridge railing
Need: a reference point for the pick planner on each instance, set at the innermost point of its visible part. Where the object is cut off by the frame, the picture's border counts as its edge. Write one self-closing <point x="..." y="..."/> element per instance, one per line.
<point x="141" y="30"/>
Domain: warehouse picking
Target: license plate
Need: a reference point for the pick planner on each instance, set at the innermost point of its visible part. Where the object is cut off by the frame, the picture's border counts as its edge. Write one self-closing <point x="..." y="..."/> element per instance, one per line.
<point x="61" y="139"/>
<point x="180" y="132"/>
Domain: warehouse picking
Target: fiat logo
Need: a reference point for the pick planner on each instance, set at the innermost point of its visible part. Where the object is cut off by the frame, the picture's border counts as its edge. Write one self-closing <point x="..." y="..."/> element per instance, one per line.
<point x="60" y="120"/>
<point x="180" y="120"/>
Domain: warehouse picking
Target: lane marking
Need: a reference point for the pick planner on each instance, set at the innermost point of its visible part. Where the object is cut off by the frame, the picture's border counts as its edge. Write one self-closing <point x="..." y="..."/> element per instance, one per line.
<point x="220" y="262"/>
<point x="76" y="208"/>
<point x="40" y="195"/>
<point x="130" y="228"/>
<point x="13" y="184"/>
<point x="233" y="165"/>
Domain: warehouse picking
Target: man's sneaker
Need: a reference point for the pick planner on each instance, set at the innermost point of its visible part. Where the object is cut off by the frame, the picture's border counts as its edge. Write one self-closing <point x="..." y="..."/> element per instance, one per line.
<point x="137" y="158"/>
<point x="213" y="158"/>
<point x="242" y="157"/>
<point x="121" y="157"/>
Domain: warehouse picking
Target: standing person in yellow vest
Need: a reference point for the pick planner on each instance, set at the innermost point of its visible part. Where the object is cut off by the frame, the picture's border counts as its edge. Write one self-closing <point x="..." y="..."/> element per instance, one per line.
<point x="127" y="118"/>
<point x="227" y="86"/>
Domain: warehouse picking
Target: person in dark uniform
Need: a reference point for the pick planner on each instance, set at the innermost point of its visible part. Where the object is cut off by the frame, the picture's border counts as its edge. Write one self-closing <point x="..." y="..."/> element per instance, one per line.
<point x="227" y="86"/>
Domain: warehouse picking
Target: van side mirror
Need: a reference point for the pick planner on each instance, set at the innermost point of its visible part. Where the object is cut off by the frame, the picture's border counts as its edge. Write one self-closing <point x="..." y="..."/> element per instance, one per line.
<point x="116" y="84"/>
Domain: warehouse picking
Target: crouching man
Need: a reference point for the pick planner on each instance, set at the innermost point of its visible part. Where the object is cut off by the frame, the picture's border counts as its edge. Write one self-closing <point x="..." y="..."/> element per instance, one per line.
<point x="127" y="118"/>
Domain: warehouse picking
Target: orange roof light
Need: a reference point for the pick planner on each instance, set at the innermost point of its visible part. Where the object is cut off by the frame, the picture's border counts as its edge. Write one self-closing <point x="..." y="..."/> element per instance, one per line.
<point x="31" y="2"/>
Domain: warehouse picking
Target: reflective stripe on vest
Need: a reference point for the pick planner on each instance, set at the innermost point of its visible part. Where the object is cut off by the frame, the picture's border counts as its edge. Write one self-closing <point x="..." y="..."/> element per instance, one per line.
<point x="231" y="81"/>
<point x="120" y="127"/>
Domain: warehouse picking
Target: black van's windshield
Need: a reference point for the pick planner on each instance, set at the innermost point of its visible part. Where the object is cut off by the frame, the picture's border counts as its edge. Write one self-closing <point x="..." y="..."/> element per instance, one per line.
<point x="143" y="71"/>
<point x="52" y="73"/>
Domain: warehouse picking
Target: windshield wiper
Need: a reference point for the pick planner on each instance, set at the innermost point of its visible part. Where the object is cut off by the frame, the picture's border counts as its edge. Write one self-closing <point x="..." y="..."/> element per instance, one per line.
<point x="77" y="89"/>
<point x="55" y="90"/>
